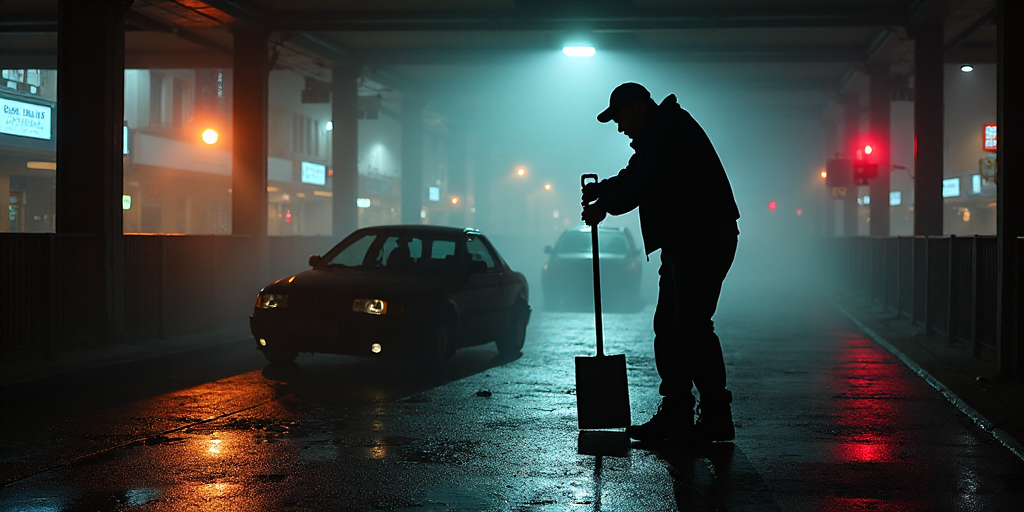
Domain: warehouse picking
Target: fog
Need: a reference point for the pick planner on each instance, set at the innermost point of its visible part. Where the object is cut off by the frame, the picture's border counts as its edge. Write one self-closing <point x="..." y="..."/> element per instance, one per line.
<point x="539" y="112"/>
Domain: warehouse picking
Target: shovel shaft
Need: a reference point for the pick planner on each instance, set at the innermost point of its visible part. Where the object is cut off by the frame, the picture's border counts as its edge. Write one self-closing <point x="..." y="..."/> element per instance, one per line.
<point x="597" y="275"/>
<point x="597" y="291"/>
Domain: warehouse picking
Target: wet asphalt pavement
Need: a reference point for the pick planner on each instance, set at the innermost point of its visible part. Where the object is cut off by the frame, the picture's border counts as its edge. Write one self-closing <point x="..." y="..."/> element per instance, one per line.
<point x="826" y="420"/>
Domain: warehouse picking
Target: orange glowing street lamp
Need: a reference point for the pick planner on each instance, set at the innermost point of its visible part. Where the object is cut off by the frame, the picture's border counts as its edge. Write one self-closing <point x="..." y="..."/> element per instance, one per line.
<point x="455" y="200"/>
<point x="210" y="136"/>
<point x="521" y="172"/>
<point x="547" y="186"/>
<point x="824" y="174"/>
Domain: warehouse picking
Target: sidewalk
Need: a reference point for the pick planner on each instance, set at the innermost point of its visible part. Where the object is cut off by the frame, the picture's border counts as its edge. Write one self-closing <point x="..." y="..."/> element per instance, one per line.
<point x="15" y="371"/>
<point x="968" y="379"/>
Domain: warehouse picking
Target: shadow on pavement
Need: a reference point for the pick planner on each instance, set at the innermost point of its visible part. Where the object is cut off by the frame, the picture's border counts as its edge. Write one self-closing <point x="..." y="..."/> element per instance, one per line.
<point x="341" y="380"/>
<point x="715" y="476"/>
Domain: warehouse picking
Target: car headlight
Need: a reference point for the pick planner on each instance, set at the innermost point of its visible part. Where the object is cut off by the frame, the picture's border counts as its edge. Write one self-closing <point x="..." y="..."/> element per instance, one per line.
<point x="371" y="306"/>
<point x="271" y="301"/>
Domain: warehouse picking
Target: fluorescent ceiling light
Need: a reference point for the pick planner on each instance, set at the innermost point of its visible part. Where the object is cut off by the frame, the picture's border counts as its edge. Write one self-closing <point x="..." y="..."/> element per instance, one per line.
<point x="578" y="51"/>
<point x="967" y="68"/>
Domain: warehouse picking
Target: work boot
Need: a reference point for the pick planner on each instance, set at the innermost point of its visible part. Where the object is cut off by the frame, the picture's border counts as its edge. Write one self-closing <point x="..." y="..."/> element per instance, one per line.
<point x="674" y="420"/>
<point x="714" y="421"/>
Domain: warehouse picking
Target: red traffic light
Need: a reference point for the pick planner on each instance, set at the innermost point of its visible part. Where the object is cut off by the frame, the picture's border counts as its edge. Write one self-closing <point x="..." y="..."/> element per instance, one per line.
<point x="771" y="205"/>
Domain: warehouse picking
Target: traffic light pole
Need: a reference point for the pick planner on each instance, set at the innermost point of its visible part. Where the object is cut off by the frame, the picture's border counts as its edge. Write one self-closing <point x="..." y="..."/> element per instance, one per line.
<point x="880" y="98"/>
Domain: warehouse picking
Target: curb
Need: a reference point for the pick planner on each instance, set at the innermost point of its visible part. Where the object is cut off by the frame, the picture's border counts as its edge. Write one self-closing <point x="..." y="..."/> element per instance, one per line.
<point x="1000" y="435"/>
<point x="113" y="364"/>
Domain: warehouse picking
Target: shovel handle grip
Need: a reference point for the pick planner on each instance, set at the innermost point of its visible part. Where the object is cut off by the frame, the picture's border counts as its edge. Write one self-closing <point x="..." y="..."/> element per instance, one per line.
<point x="583" y="179"/>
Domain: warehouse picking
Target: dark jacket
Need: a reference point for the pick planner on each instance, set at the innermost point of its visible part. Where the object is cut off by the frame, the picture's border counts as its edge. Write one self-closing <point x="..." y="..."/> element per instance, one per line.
<point x="677" y="180"/>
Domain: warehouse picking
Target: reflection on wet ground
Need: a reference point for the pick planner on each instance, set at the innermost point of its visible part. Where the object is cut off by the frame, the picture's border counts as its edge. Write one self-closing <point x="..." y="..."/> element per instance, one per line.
<point x="825" y="419"/>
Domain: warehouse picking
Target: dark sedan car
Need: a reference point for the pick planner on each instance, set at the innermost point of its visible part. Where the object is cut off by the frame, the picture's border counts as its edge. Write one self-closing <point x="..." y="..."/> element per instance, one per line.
<point x="407" y="292"/>
<point x="568" y="276"/>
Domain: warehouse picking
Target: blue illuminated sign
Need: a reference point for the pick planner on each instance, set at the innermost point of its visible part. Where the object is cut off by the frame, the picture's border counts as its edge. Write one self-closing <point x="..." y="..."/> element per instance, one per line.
<point x="314" y="174"/>
<point x="24" y="119"/>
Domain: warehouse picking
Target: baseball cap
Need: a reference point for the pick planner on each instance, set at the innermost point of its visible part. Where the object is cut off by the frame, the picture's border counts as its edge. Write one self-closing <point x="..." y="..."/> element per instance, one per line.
<point x="623" y="96"/>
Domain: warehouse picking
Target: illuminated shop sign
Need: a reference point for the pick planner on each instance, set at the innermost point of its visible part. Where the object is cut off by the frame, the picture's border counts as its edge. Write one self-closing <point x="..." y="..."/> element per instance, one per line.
<point x="363" y="202"/>
<point x="434" y="194"/>
<point x="895" y="198"/>
<point x="990" y="137"/>
<point x="24" y="119"/>
<point x="951" y="187"/>
<point x="314" y="174"/>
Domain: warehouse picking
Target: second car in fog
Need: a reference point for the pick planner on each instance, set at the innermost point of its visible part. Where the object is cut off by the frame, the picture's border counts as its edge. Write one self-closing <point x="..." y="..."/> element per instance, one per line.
<point x="408" y="292"/>
<point x="567" y="277"/>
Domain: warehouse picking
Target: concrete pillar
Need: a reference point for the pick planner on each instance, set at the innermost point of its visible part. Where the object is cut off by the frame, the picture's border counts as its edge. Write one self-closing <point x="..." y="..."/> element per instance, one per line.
<point x="928" y="128"/>
<point x="1010" y="183"/>
<point x="90" y="98"/>
<point x="249" y="125"/>
<point x="880" y="113"/>
<point x="457" y="172"/>
<point x="344" y="150"/>
<point x="829" y="229"/>
<point x="412" y="159"/>
<point x="851" y="132"/>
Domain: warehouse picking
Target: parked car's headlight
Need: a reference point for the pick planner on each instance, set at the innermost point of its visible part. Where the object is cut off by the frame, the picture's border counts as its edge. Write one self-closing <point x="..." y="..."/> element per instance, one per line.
<point x="371" y="306"/>
<point x="271" y="301"/>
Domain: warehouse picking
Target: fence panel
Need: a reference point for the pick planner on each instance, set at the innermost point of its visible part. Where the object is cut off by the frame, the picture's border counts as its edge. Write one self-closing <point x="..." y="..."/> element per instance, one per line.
<point x="985" y="261"/>
<point x="961" y="285"/>
<point x="937" y="309"/>
<point x="144" y="286"/>
<point x="877" y="269"/>
<point x="25" y="301"/>
<point x="191" y="288"/>
<point x="76" y="260"/>
<point x="891" y="277"/>
<point x="905" y="285"/>
<point x="920" y="286"/>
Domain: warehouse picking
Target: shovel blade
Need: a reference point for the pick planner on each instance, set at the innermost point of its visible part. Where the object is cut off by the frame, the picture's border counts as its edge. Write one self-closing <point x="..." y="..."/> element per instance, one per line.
<point x="602" y="394"/>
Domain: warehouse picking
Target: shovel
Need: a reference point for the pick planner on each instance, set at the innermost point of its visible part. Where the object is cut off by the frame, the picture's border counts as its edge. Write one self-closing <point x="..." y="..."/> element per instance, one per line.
<point x="602" y="394"/>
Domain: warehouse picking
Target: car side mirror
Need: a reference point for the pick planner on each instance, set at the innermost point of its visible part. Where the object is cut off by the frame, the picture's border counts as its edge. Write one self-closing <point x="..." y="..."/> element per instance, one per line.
<point x="314" y="260"/>
<point x="547" y="249"/>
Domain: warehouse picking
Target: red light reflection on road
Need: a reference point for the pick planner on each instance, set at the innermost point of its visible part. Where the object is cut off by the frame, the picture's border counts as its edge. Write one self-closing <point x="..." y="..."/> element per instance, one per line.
<point x="868" y="381"/>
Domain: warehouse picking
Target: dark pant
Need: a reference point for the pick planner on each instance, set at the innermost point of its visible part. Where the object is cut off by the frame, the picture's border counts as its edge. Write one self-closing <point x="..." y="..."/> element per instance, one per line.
<point x="686" y="349"/>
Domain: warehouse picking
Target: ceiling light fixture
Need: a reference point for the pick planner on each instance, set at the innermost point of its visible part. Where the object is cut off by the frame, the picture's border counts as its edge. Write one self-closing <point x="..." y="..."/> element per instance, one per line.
<point x="579" y="51"/>
<point x="967" y="68"/>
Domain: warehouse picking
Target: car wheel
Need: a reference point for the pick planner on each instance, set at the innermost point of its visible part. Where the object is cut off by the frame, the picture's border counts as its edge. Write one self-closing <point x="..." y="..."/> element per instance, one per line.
<point x="438" y="350"/>
<point x="279" y="355"/>
<point x="511" y="341"/>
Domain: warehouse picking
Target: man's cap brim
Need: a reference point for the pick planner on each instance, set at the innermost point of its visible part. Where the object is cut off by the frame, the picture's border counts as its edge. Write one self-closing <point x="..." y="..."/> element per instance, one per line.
<point x="606" y="116"/>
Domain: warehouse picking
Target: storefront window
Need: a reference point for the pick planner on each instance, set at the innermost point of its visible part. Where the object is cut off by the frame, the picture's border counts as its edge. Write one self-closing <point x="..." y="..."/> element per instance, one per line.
<point x="177" y="161"/>
<point x="28" y="149"/>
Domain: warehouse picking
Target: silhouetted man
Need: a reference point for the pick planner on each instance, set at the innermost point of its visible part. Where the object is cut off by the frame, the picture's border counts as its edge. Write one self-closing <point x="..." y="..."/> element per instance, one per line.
<point x="688" y="211"/>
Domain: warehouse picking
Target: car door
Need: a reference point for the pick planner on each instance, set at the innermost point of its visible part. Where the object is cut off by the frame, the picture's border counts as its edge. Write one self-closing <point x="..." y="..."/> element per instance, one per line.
<point x="483" y="302"/>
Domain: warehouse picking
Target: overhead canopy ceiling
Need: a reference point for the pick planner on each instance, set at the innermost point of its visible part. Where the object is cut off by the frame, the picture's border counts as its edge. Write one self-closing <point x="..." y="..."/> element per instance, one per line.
<point x="792" y="55"/>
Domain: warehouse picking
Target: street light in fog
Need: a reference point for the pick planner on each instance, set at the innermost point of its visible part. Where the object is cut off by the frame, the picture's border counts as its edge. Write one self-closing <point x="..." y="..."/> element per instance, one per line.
<point x="210" y="136"/>
<point x="547" y="186"/>
<point x="521" y="172"/>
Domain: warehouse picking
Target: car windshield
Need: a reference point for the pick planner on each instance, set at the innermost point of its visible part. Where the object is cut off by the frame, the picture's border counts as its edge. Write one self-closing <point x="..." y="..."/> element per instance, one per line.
<point x="397" y="252"/>
<point x="611" y="242"/>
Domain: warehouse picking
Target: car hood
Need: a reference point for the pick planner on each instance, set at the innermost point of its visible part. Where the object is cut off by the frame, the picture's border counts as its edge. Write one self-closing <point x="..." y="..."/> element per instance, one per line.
<point x="359" y="283"/>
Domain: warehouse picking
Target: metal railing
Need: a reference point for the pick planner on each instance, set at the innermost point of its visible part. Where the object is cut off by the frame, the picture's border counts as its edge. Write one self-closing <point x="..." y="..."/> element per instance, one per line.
<point x="946" y="284"/>
<point x="173" y="285"/>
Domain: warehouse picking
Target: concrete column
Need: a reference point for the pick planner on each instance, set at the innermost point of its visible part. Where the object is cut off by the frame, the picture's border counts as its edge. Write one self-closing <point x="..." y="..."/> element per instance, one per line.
<point x="851" y="132"/>
<point x="830" y="203"/>
<point x="344" y="150"/>
<point x="457" y="172"/>
<point x="249" y="125"/>
<point x="412" y="159"/>
<point x="90" y="100"/>
<point x="928" y="128"/>
<point x="1010" y="183"/>
<point x="881" y="100"/>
